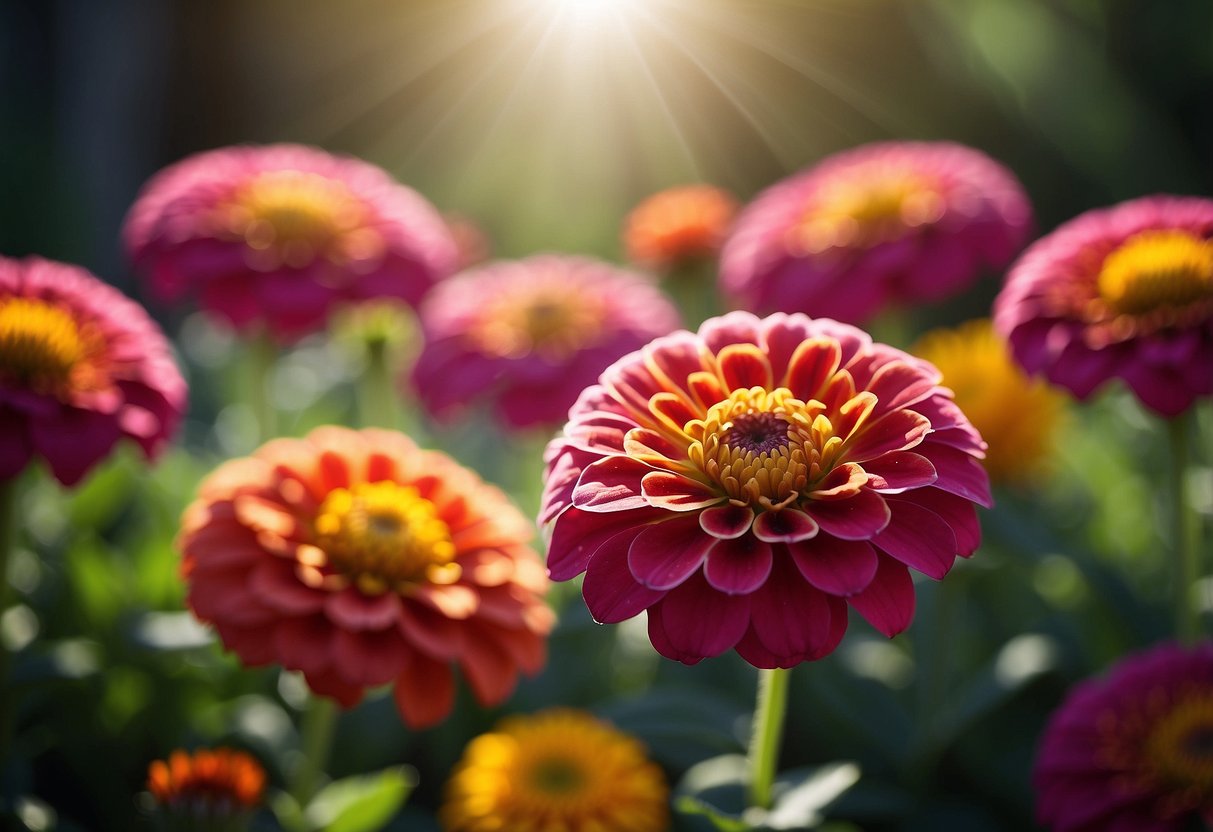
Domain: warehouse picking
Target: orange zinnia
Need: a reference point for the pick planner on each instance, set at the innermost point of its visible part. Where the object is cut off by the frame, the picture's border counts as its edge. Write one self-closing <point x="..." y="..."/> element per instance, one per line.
<point x="222" y="779"/>
<point x="361" y="560"/>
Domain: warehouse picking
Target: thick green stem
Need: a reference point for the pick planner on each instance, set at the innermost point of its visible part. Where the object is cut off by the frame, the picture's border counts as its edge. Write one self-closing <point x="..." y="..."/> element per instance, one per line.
<point x="8" y="539"/>
<point x="1185" y="531"/>
<point x="377" y="389"/>
<point x="767" y="734"/>
<point x="261" y="395"/>
<point x="693" y="287"/>
<point x="319" y="724"/>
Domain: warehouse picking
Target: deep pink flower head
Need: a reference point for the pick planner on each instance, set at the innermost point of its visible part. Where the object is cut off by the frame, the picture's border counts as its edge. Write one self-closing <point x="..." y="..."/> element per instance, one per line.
<point x="1123" y="292"/>
<point x="744" y="484"/>
<point x="886" y="223"/>
<point x="1132" y="751"/>
<point x="530" y="335"/>
<point x="275" y="236"/>
<point x="81" y="366"/>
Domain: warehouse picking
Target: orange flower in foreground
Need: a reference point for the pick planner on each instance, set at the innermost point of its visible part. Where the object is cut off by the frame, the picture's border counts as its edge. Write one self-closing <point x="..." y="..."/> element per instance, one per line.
<point x="221" y="780"/>
<point x="679" y="225"/>
<point x="361" y="560"/>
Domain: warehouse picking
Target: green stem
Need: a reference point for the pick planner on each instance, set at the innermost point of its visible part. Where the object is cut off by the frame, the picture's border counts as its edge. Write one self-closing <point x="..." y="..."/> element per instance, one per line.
<point x="377" y="389"/>
<point x="767" y="734"/>
<point x="261" y="397"/>
<point x="693" y="287"/>
<point x="1185" y="531"/>
<point x="8" y="539"/>
<point x="319" y="724"/>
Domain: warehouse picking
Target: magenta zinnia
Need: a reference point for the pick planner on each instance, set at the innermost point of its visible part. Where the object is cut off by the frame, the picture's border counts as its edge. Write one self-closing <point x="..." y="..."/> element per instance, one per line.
<point x="746" y="483"/>
<point x="81" y="366"/>
<point x="529" y="335"/>
<point x="1123" y="292"/>
<point x="1132" y="751"/>
<point x="887" y="223"/>
<point x="275" y="236"/>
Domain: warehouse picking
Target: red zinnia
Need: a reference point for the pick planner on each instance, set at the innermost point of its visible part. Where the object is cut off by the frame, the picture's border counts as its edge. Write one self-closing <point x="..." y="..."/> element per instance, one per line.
<point x="81" y="366"/>
<point x="886" y="223"/>
<point x="1123" y="292"/>
<point x="361" y="560"/>
<point x="531" y="334"/>
<point x="275" y="236"/>
<point x="678" y="226"/>
<point x="207" y="780"/>
<point x="1132" y="751"/>
<point x="744" y="484"/>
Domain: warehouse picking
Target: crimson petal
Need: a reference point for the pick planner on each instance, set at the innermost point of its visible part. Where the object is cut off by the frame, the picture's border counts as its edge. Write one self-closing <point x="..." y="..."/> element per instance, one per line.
<point x="784" y="526"/>
<point x="920" y="538"/>
<point x="960" y="474"/>
<point x="665" y="554"/>
<point x="898" y="471"/>
<point x="839" y="567"/>
<point x="611" y="593"/>
<point x="738" y="566"/>
<point x="695" y="621"/>
<point x="856" y="518"/>
<point x="577" y="535"/>
<point x="896" y="431"/>
<point x="676" y="493"/>
<point x="888" y="601"/>
<point x="610" y="484"/>
<point x="727" y="521"/>
<point x="789" y="619"/>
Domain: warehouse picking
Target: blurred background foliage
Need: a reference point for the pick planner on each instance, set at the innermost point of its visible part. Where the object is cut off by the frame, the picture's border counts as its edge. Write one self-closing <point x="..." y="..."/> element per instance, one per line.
<point x="546" y="137"/>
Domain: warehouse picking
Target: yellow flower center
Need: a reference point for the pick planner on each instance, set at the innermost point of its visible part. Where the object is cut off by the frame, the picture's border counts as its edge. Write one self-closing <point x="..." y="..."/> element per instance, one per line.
<point x="870" y="207"/>
<point x="1156" y="270"/>
<point x="554" y="324"/>
<point x="764" y="448"/>
<point x="291" y="217"/>
<point x="40" y="344"/>
<point x="1179" y="750"/>
<point x="385" y="536"/>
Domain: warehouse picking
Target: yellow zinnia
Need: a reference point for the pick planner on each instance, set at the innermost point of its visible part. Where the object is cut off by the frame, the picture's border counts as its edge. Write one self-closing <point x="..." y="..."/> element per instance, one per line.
<point x="560" y="770"/>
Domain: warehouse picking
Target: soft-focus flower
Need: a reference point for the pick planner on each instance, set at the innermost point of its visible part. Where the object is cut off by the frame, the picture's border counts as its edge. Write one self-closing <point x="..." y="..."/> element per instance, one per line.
<point x="1132" y="751"/>
<point x="81" y="366"/>
<point x="209" y="786"/>
<point x="275" y="236"/>
<point x="1017" y="416"/>
<point x="361" y="560"/>
<point x="1122" y="292"/>
<point x="744" y="484"/>
<point x="529" y="335"/>
<point x="678" y="226"/>
<point x="473" y="244"/>
<point x="557" y="770"/>
<point x="886" y="223"/>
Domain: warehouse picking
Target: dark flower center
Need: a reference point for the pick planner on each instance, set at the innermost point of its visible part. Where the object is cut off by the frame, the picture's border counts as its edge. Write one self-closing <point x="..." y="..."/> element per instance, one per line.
<point x="557" y="776"/>
<point x="757" y="433"/>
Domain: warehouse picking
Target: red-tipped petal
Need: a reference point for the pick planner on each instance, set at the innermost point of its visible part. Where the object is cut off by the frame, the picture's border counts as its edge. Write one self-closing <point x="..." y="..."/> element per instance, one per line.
<point x="743" y="366"/>
<point x="726" y="522"/>
<point x="676" y="493"/>
<point x="813" y="362"/>
<point x="784" y="526"/>
<point x="611" y="484"/>
<point x="896" y="431"/>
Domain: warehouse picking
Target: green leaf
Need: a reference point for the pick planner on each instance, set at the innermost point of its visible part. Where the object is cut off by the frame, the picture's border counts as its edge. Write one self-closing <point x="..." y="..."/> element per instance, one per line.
<point x="363" y="803"/>
<point x="724" y="822"/>
<point x="801" y="795"/>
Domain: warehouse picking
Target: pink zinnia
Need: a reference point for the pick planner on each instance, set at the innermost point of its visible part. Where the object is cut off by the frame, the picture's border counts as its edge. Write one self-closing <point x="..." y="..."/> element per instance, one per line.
<point x="275" y="236"/>
<point x="887" y="223"/>
<point x="81" y="366"/>
<point x="1122" y="292"/>
<point x="1132" y="751"/>
<point x="746" y="483"/>
<point x="529" y="335"/>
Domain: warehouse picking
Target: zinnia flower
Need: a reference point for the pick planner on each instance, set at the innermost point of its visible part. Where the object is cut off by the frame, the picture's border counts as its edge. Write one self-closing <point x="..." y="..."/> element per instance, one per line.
<point x="557" y="770"/>
<point x="886" y="223"/>
<point x="529" y="335"/>
<point x="678" y="226"/>
<point x="1133" y="751"/>
<point x="275" y="236"/>
<point x="218" y="782"/>
<point x="81" y="366"/>
<point x="1123" y="292"/>
<point x="995" y="394"/>
<point x="744" y="484"/>
<point x="360" y="560"/>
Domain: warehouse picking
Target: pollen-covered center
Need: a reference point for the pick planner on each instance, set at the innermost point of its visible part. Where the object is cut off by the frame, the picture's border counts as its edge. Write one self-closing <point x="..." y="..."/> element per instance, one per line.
<point x="40" y="344"/>
<point x="384" y="536"/>
<point x="557" y="776"/>
<point x="870" y="206"/>
<point x="764" y="447"/>
<point x="554" y="323"/>
<point x="1179" y="751"/>
<point x="293" y="217"/>
<point x="1157" y="270"/>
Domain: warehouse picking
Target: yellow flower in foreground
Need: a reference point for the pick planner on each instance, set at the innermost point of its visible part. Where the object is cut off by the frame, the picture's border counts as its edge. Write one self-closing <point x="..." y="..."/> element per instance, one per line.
<point x="1017" y="416"/>
<point x="557" y="771"/>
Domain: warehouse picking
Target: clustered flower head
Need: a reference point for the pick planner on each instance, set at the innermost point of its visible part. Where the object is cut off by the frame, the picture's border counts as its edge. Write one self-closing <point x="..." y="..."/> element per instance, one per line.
<point x="276" y="236"/>
<point x="746" y="483"/>
<point x="81" y="367"/>
<point x="1122" y="292"/>
<point x="1017" y="416"/>
<point x="207" y="783"/>
<point x="528" y="335"/>
<point x="1132" y="750"/>
<point x="887" y="223"/>
<point x="560" y="769"/>
<point x="361" y="560"/>
<point x="678" y="226"/>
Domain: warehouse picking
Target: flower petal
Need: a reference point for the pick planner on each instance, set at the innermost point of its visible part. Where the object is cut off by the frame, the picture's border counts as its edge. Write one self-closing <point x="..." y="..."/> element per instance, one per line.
<point x="368" y="658"/>
<point x="896" y="431"/>
<point x="611" y="484"/>
<point x="790" y="621"/>
<point x="898" y="471"/>
<point x="743" y="366"/>
<point x="577" y="535"/>
<point x="695" y="621"/>
<point x="352" y="610"/>
<point x="919" y="538"/>
<point x="839" y="567"/>
<point x="727" y="521"/>
<point x="665" y="554"/>
<point x="959" y="473"/>
<point x="856" y="518"/>
<point x="662" y="489"/>
<point x="957" y="512"/>
<point x="784" y="526"/>
<point x="611" y="593"/>
<point x="888" y="601"/>
<point x="424" y="691"/>
<point x="738" y="566"/>
<point x="275" y="584"/>
<point x="814" y="361"/>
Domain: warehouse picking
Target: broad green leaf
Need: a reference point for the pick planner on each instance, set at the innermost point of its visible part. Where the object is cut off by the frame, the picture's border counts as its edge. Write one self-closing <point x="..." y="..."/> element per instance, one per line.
<point x="363" y="803"/>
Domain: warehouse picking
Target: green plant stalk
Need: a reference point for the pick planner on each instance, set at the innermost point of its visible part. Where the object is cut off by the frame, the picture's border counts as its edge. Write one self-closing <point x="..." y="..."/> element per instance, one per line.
<point x="377" y="389"/>
<point x="261" y="375"/>
<point x="693" y="288"/>
<point x="319" y="725"/>
<point x="8" y="539"/>
<point x="767" y="734"/>
<point x="1185" y="530"/>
